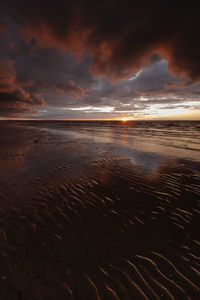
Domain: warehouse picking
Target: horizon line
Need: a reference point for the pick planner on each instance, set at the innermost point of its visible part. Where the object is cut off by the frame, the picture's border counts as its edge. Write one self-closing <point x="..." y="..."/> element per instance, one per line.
<point x="108" y="120"/>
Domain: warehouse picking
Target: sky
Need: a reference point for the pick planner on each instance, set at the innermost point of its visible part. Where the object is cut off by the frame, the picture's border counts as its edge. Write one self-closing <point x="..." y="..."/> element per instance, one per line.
<point x="83" y="59"/>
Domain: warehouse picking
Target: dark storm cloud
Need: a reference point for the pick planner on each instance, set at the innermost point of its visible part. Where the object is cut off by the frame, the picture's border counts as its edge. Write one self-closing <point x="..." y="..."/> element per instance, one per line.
<point x="54" y="71"/>
<point x="106" y="53"/>
<point x="150" y="82"/>
<point x="43" y="73"/>
<point x="13" y="98"/>
<point x="120" y="35"/>
<point x="150" y="79"/>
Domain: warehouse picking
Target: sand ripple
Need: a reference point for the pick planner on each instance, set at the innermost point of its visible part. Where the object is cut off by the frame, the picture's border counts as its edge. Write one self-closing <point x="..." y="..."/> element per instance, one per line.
<point x="78" y="221"/>
<point x="112" y="233"/>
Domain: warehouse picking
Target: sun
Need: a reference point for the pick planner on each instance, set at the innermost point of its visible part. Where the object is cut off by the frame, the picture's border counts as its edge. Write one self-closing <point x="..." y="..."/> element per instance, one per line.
<point x="124" y="119"/>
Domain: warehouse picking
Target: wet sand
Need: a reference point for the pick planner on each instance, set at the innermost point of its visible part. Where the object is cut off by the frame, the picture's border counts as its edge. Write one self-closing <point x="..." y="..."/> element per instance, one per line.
<point x="80" y="221"/>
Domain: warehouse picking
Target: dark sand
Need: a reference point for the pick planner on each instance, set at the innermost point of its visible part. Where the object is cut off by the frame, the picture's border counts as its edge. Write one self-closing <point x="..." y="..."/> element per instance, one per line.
<point x="79" y="221"/>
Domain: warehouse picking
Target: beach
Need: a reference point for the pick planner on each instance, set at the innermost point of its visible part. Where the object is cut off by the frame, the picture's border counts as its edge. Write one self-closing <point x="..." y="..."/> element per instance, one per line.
<point x="99" y="210"/>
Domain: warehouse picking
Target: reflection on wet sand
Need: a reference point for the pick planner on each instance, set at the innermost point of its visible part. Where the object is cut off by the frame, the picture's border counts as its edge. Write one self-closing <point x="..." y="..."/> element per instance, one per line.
<point x="97" y="224"/>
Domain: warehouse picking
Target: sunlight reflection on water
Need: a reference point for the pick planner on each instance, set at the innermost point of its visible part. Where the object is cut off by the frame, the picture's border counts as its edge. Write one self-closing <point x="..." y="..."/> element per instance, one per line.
<point x="143" y="145"/>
